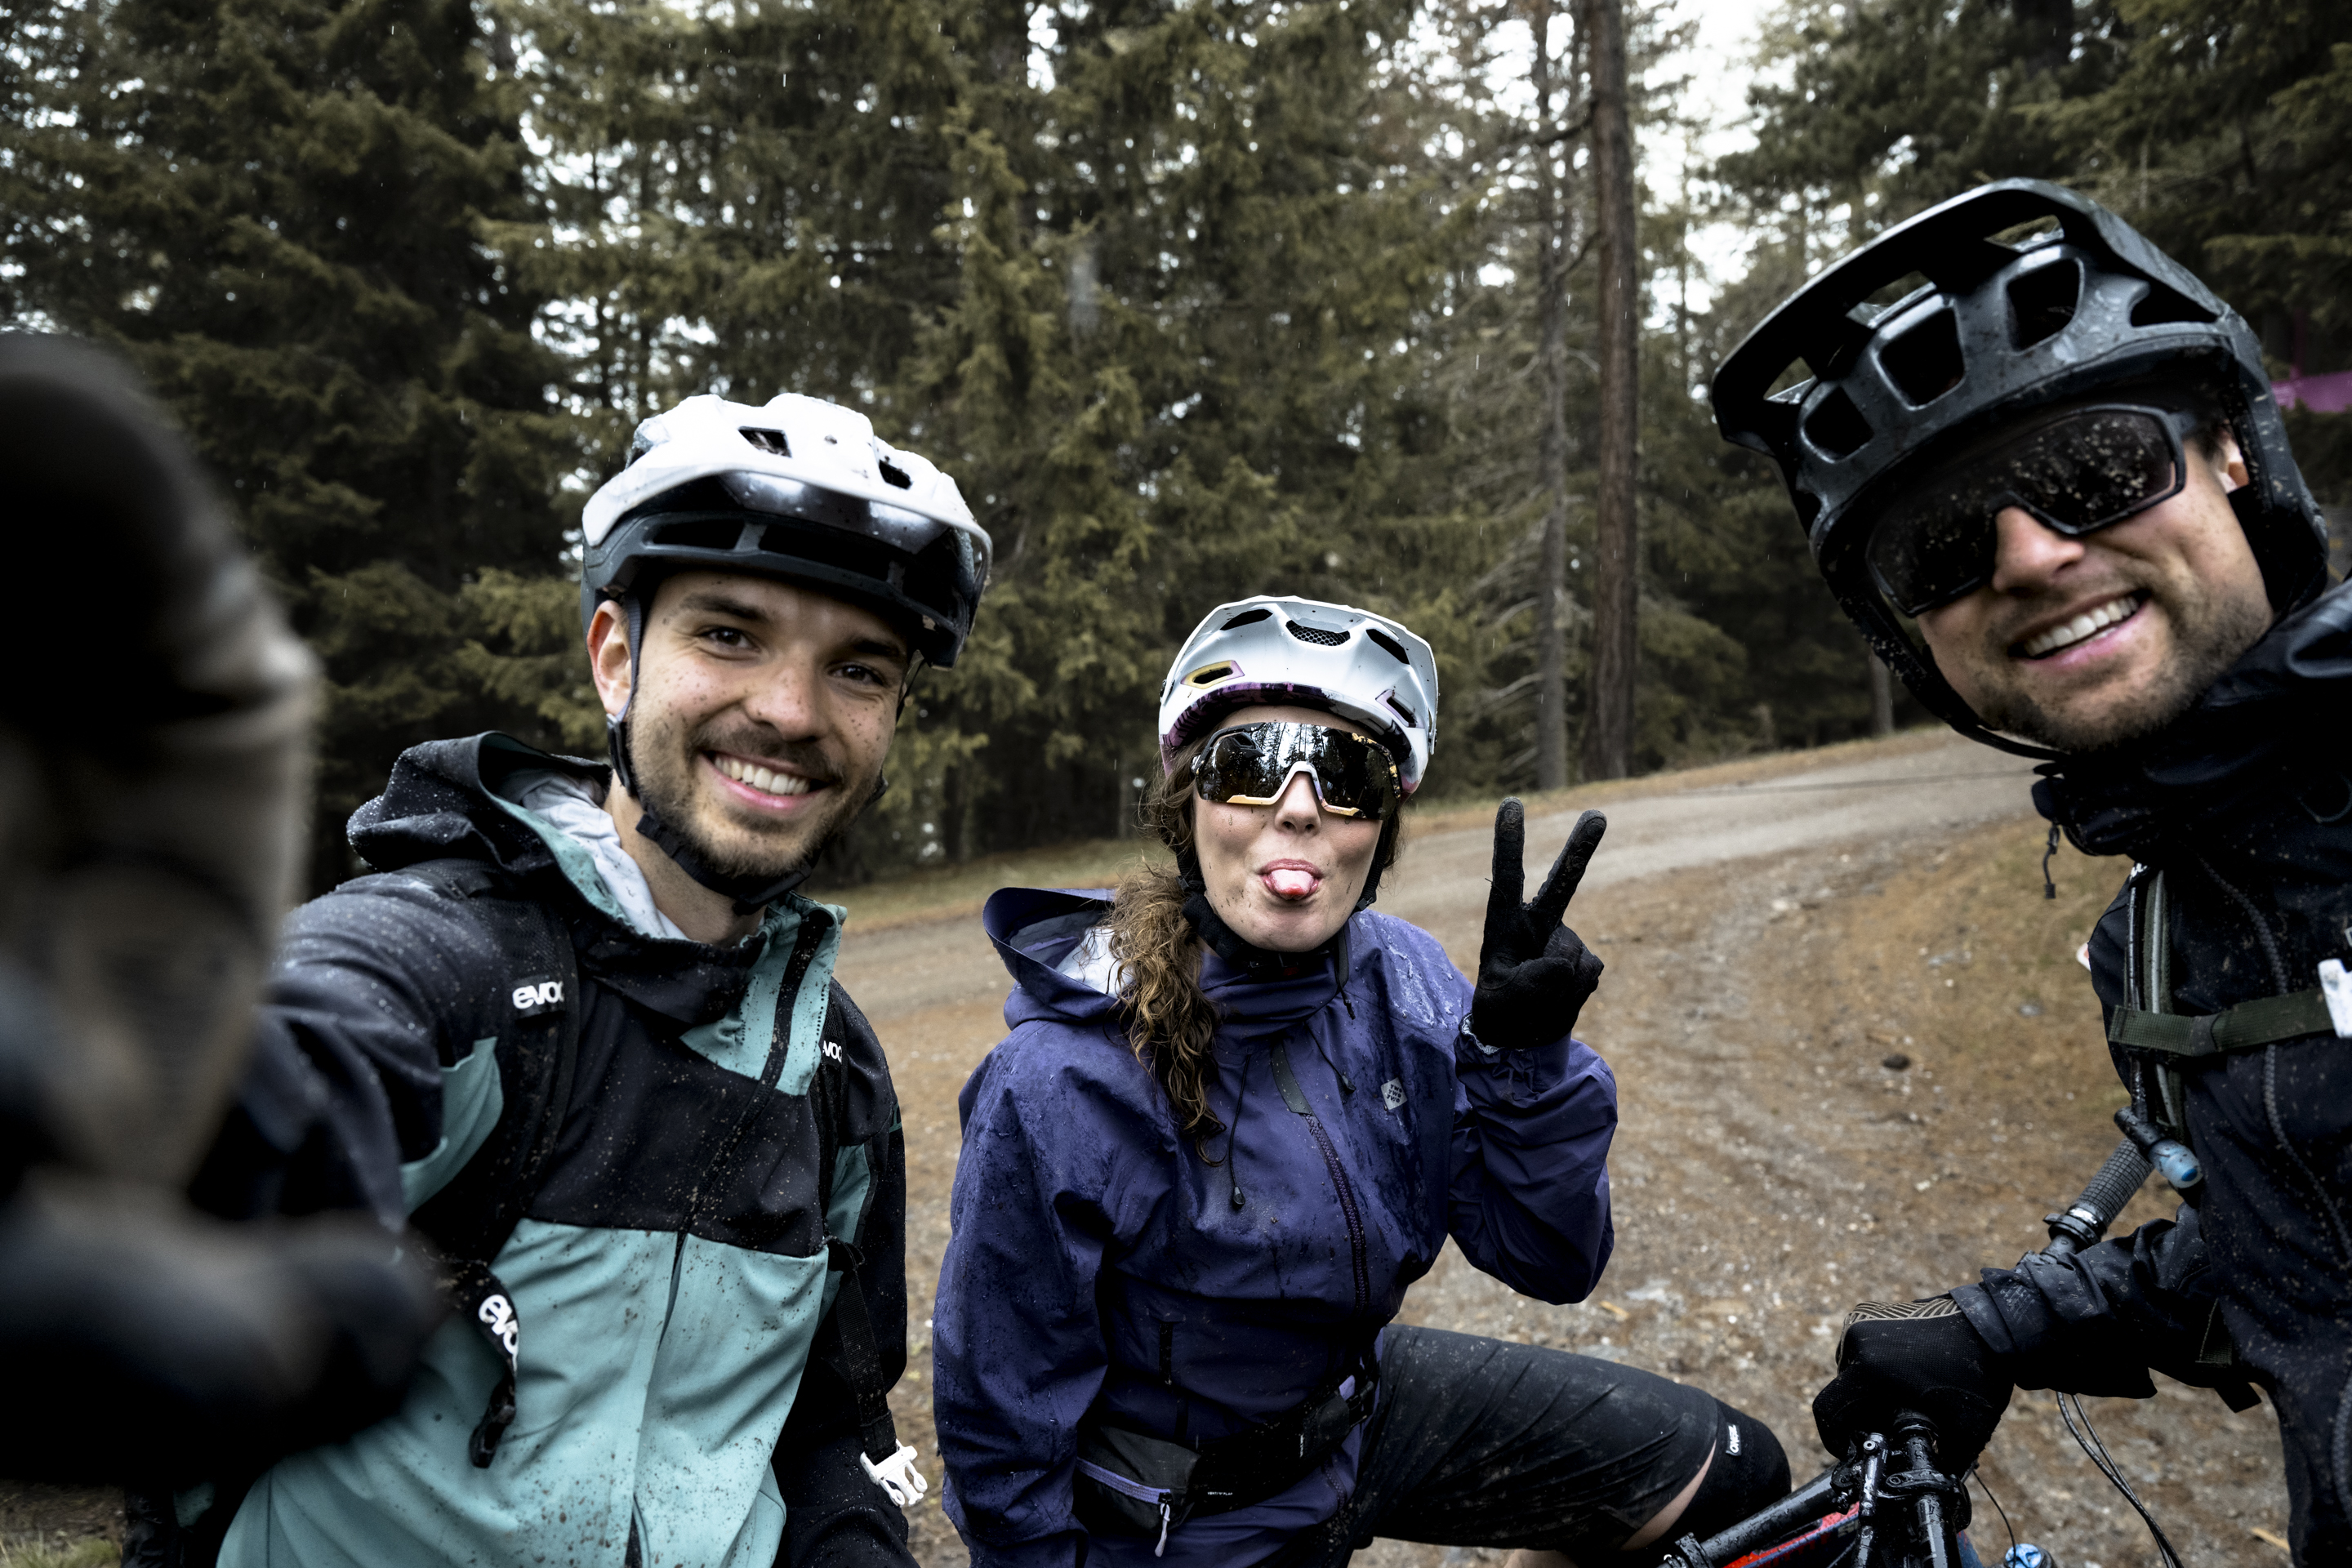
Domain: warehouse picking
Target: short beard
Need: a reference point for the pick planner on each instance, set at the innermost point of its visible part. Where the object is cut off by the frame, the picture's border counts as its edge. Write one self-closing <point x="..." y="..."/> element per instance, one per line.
<point x="2203" y="653"/>
<point x="661" y="764"/>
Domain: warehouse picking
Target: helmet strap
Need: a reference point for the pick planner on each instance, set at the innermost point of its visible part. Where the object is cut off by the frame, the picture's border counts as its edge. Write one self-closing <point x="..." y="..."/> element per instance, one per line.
<point x="1257" y="962"/>
<point x="751" y="891"/>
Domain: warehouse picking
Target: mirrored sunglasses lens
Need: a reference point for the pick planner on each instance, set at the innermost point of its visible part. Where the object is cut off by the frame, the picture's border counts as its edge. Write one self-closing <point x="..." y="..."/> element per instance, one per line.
<point x="1256" y="763"/>
<point x="2079" y="474"/>
<point x="2095" y="468"/>
<point x="1936" y="547"/>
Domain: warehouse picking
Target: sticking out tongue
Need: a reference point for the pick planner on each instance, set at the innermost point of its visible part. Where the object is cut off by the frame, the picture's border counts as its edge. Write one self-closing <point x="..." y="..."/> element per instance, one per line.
<point x="1289" y="882"/>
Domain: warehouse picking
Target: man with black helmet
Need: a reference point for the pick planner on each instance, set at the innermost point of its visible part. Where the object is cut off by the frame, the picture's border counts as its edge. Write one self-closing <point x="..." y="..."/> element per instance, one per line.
<point x="2052" y="489"/>
<point x="580" y="1034"/>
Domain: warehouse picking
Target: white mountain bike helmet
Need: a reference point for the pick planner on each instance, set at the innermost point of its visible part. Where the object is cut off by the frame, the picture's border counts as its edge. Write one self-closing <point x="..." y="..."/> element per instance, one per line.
<point x="798" y="489"/>
<point x="1275" y="650"/>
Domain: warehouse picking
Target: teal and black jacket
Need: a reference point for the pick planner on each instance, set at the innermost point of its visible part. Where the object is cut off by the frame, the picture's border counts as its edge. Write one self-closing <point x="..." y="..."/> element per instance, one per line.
<point x="728" y="1114"/>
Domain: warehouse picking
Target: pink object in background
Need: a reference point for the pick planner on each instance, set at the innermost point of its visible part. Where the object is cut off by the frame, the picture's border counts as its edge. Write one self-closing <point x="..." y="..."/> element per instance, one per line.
<point x="2330" y="393"/>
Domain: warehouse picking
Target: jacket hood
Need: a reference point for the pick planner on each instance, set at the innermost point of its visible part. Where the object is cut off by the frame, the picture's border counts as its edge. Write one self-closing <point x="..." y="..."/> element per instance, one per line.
<point x="1035" y="928"/>
<point x="2281" y="706"/>
<point x="437" y="806"/>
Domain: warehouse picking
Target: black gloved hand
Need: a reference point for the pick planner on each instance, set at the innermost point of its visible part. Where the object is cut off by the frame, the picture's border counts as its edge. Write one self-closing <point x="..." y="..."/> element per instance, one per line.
<point x="1919" y="1358"/>
<point x="1534" y="975"/>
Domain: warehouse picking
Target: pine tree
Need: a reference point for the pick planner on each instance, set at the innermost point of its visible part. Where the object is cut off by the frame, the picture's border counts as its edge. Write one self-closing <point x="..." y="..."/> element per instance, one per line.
<point x="276" y="209"/>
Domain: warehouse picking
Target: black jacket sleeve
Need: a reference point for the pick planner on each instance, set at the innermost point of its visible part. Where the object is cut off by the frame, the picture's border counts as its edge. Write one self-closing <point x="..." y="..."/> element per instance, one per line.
<point x="345" y="1083"/>
<point x="2093" y="1323"/>
<point x="834" y="1512"/>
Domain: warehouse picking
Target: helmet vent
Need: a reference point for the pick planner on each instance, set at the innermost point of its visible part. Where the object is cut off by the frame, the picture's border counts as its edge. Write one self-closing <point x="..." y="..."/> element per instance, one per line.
<point x="1412" y="721"/>
<point x="2043" y="302"/>
<point x="704" y="533"/>
<point x="1837" y="427"/>
<point x="1244" y="618"/>
<point x="1210" y="674"/>
<point x="892" y="474"/>
<point x="1394" y="649"/>
<point x="767" y="440"/>
<point x="1925" y="362"/>
<point x="1315" y="635"/>
<point x="2165" y="305"/>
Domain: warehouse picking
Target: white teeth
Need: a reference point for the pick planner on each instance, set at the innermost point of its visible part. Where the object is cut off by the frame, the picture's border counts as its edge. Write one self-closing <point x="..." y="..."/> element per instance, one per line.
<point x="2083" y="625"/>
<point x="759" y="778"/>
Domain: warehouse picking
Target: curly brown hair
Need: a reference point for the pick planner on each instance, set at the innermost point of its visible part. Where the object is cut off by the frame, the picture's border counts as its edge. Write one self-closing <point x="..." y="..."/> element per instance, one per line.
<point x="1170" y="1021"/>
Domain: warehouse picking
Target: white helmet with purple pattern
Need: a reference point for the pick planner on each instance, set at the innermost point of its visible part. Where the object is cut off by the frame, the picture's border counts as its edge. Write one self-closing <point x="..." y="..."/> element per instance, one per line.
<point x="1275" y="651"/>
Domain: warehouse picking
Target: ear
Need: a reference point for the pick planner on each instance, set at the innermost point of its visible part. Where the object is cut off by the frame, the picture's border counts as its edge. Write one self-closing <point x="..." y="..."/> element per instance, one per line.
<point x="2229" y="461"/>
<point x="608" y="656"/>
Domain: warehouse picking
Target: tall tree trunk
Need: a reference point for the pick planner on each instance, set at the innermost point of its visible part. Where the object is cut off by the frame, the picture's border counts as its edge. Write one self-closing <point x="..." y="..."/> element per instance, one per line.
<point x="1552" y="439"/>
<point x="1609" y="722"/>
<point x="2048" y="29"/>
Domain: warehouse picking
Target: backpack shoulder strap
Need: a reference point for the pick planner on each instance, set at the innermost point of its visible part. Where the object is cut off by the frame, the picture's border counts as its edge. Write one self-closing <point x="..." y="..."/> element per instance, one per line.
<point x="846" y="1339"/>
<point x="532" y="1006"/>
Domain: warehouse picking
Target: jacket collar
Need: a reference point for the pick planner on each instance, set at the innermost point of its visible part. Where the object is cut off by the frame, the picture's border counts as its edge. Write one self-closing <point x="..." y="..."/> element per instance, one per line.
<point x="439" y="804"/>
<point x="1034" y="929"/>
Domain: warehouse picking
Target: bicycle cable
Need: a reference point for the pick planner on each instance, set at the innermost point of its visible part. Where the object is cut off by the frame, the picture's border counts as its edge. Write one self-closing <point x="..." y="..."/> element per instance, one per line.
<point x="2096" y="1451"/>
<point x="1977" y="1475"/>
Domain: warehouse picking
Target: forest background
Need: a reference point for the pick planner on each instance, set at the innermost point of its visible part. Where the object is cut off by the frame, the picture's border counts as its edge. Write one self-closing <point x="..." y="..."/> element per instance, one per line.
<point x="1195" y="299"/>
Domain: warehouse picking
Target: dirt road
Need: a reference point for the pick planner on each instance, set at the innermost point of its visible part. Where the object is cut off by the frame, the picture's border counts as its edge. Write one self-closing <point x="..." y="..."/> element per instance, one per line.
<point x="1769" y="947"/>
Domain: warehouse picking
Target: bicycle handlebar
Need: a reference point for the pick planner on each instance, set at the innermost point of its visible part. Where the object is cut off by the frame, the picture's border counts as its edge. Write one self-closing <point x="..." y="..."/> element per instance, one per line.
<point x="2087" y="1218"/>
<point x="1910" y="1516"/>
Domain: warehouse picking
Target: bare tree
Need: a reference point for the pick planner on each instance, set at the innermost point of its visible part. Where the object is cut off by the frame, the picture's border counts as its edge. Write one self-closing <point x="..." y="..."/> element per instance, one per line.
<point x="1882" y="699"/>
<point x="1551" y="441"/>
<point x="1609" y="722"/>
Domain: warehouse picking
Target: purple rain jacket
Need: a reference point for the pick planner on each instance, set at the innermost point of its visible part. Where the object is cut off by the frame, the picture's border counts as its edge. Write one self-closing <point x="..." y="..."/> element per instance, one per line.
<point x="1097" y="1261"/>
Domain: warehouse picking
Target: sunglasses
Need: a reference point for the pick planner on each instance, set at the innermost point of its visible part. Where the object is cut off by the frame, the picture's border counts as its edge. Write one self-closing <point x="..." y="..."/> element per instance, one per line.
<point x="2075" y="475"/>
<point x="1251" y="764"/>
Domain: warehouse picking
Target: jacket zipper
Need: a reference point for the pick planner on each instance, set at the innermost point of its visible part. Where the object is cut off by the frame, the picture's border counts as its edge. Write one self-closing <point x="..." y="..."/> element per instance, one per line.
<point x="1288" y="1081"/>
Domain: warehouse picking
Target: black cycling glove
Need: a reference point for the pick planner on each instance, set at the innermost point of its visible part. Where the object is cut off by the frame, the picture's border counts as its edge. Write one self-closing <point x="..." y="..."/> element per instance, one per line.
<point x="1534" y="975"/>
<point x="1920" y="1358"/>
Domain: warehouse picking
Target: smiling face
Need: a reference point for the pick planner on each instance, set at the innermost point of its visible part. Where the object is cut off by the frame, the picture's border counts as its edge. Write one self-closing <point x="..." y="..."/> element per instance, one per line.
<point x="758" y="728"/>
<point x="1284" y="877"/>
<point x="2083" y="643"/>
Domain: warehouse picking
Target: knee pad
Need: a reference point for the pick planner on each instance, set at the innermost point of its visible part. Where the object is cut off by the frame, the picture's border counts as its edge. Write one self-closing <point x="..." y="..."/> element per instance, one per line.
<point x="1750" y="1471"/>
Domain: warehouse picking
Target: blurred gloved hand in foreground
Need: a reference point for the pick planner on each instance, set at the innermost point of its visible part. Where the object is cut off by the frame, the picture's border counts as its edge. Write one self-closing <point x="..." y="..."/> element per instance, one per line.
<point x="154" y="770"/>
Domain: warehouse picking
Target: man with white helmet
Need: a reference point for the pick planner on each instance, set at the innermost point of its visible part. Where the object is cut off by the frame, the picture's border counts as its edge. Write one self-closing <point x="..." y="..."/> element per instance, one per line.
<point x="580" y="1034"/>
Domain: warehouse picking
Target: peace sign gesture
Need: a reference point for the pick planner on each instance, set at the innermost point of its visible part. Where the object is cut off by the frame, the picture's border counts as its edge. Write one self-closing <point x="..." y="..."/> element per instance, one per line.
<point x="1534" y="973"/>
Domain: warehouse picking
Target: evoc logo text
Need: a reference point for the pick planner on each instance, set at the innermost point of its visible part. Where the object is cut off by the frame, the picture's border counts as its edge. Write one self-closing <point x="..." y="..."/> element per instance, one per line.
<point x="537" y="994"/>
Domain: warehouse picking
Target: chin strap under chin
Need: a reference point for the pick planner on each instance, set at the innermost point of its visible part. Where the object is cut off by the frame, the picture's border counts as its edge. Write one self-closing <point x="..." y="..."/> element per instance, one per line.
<point x="750" y="891"/>
<point x="1257" y="962"/>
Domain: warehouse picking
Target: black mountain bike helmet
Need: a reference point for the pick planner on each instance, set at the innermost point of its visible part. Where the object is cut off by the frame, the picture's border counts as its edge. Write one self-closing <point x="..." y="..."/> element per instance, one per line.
<point x="1998" y="331"/>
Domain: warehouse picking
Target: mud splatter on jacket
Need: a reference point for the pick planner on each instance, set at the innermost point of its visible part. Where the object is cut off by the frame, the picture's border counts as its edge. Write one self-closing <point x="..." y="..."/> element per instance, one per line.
<point x="2246" y="806"/>
<point x="1095" y="1260"/>
<point x="671" y="1274"/>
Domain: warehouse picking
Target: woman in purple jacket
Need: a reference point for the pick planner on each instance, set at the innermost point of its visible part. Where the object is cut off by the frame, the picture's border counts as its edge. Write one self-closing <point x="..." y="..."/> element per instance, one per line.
<point x="1237" y="1115"/>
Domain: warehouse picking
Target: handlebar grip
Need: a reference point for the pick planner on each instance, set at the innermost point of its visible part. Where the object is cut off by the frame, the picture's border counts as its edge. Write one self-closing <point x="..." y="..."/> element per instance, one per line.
<point x="2087" y="1220"/>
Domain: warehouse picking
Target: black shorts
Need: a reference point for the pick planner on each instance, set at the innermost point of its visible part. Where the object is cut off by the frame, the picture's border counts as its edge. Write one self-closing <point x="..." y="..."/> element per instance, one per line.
<point x="1480" y="1442"/>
